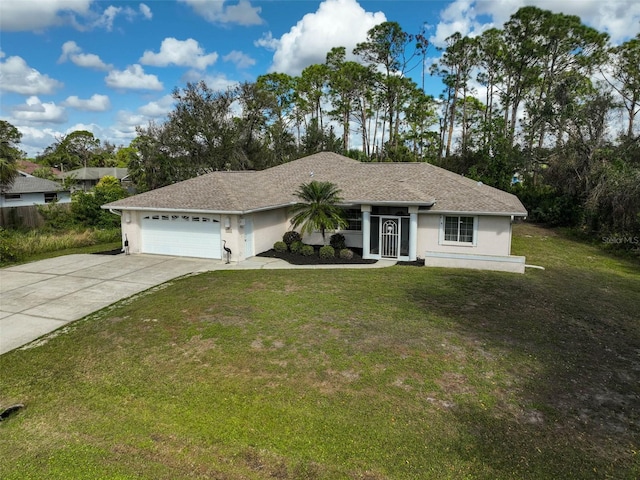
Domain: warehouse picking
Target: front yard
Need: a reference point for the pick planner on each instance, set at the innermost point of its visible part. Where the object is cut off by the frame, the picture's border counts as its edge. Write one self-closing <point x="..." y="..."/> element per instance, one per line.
<point x="395" y="373"/>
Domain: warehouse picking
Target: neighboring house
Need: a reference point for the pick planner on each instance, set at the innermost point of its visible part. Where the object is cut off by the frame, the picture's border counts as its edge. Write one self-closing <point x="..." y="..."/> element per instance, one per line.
<point x="27" y="167"/>
<point x="88" y="177"/>
<point x="28" y="191"/>
<point x="401" y="211"/>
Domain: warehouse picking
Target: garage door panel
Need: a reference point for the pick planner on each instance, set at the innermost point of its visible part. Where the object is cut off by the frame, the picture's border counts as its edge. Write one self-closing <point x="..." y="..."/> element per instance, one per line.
<point x="181" y="235"/>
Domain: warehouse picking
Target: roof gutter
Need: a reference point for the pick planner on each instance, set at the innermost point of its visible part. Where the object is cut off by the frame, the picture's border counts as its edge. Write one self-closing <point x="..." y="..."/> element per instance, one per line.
<point x="475" y="213"/>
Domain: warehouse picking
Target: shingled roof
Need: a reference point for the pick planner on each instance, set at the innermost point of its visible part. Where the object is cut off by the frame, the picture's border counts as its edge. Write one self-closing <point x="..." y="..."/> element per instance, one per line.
<point x="33" y="185"/>
<point x="243" y="192"/>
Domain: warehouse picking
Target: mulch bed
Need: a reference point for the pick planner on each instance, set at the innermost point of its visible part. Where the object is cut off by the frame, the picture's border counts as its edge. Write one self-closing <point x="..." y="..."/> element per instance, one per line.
<point x="297" y="259"/>
<point x="116" y="251"/>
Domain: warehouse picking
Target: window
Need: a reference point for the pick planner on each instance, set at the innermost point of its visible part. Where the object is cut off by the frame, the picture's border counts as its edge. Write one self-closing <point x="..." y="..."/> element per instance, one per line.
<point x="459" y="229"/>
<point x="354" y="218"/>
<point x="50" y="197"/>
<point x="12" y="196"/>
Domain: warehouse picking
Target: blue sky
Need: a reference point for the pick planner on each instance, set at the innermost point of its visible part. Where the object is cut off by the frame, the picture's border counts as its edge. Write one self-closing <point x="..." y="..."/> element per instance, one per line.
<point x="107" y="66"/>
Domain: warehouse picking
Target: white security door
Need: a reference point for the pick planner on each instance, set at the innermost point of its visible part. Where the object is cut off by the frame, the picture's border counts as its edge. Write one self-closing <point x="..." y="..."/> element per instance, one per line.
<point x="181" y="235"/>
<point x="389" y="237"/>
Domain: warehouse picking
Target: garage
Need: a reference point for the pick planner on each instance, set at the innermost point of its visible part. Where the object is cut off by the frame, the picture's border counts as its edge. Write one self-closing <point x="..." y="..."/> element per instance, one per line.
<point x="182" y="235"/>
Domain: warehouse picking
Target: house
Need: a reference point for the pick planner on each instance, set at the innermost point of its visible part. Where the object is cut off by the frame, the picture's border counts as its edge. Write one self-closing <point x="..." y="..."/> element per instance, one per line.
<point x="27" y="167"/>
<point x="402" y="211"/>
<point x="88" y="177"/>
<point x="28" y="191"/>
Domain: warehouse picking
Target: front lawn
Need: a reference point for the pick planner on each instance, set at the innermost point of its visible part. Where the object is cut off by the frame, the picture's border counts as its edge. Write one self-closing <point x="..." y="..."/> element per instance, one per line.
<point x="394" y="373"/>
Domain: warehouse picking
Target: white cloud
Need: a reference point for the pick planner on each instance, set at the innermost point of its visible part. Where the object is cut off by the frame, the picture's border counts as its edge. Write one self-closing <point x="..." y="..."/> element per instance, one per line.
<point x="131" y="119"/>
<point x="460" y="16"/>
<point x="243" y="13"/>
<point x="183" y="53"/>
<point x="71" y="51"/>
<point x="336" y="23"/>
<point x="146" y="11"/>
<point x="214" y="82"/>
<point x="158" y="108"/>
<point x="97" y="103"/>
<point x="133" y="78"/>
<point x="240" y="59"/>
<point x="35" y="111"/>
<point x="267" y="42"/>
<point x="32" y="15"/>
<point x="69" y="48"/>
<point x="618" y="18"/>
<point x="17" y="77"/>
<point x="21" y="15"/>
<point x="107" y="18"/>
<point x="35" y="140"/>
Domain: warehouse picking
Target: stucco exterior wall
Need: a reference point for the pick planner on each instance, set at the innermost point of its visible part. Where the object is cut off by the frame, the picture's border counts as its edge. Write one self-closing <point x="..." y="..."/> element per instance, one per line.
<point x="29" y="199"/>
<point x="493" y="236"/>
<point x="353" y="238"/>
<point x="130" y="222"/>
<point x="268" y="228"/>
<point x="511" y="264"/>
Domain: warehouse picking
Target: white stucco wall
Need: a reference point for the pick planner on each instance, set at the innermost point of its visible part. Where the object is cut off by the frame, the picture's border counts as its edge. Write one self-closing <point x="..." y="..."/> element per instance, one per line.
<point x="353" y="238"/>
<point x="130" y="222"/>
<point x="30" y="199"/>
<point x="268" y="228"/>
<point x="494" y="236"/>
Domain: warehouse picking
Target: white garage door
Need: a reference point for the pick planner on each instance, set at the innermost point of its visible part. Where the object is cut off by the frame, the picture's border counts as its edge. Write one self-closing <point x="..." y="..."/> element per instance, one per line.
<point x="181" y="235"/>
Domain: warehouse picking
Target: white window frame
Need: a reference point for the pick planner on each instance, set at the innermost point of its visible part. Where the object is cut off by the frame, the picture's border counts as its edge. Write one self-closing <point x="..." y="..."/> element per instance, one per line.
<point x="441" y="239"/>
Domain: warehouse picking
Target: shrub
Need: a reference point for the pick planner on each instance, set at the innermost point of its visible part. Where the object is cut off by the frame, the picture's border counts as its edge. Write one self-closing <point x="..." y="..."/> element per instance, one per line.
<point x="56" y="216"/>
<point x="337" y="241"/>
<point x="291" y="237"/>
<point x="8" y="247"/>
<point x="346" y="254"/>
<point x="307" y="250"/>
<point x="296" y="246"/>
<point x="327" y="251"/>
<point x="280" y="247"/>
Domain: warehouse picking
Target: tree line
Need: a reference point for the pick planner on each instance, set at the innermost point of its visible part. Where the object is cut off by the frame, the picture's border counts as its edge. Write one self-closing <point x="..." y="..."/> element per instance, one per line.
<point x="545" y="98"/>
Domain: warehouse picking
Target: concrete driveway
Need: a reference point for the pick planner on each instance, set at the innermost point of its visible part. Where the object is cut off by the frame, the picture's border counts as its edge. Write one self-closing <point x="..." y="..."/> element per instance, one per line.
<point x="39" y="297"/>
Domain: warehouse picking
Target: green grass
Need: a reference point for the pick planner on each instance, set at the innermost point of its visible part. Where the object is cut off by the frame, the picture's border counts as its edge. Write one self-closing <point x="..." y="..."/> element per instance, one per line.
<point x="398" y="373"/>
<point x="21" y="247"/>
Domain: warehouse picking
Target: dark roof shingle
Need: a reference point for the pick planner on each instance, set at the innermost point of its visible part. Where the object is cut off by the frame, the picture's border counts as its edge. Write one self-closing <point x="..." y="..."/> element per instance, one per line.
<point x="374" y="183"/>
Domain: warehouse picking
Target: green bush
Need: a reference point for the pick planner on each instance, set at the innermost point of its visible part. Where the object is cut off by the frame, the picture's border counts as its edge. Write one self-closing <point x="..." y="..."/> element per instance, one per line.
<point x="290" y="237"/>
<point x="337" y="241"/>
<point x="280" y="247"/>
<point x="296" y="246"/>
<point x="327" y="251"/>
<point x="8" y="247"/>
<point x="56" y="216"/>
<point x="85" y="206"/>
<point x="307" y="250"/>
<point x="346" y="254"/>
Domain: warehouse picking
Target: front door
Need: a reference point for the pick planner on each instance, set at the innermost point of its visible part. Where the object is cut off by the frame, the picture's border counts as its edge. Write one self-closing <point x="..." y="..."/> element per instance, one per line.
<point x="389" y="237"/>
<point x="248" y="237"/>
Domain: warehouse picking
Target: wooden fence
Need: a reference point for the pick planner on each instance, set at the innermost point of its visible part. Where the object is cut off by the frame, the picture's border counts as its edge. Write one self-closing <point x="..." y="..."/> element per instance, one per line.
<point x="26" y="217"/>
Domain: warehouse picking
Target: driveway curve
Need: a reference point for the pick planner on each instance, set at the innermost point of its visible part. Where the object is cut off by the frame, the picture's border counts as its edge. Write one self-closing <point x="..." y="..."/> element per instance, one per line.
<point x="40" y="297"/>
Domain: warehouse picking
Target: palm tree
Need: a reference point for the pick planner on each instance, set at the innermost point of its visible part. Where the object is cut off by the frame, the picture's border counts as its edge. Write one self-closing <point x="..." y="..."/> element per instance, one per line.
<point x="317" y="209"/>
<point x="9" y="154"/>
<point x="8" y="173"/>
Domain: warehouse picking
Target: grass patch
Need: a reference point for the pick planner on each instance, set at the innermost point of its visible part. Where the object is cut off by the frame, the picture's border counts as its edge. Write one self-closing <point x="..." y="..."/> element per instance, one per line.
<point x="396" y="373"/>
<point x="20" y="247"/>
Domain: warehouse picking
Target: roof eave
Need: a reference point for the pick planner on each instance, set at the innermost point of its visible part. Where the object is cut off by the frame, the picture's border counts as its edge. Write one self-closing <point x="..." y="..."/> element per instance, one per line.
<point x="476" y="212"/>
